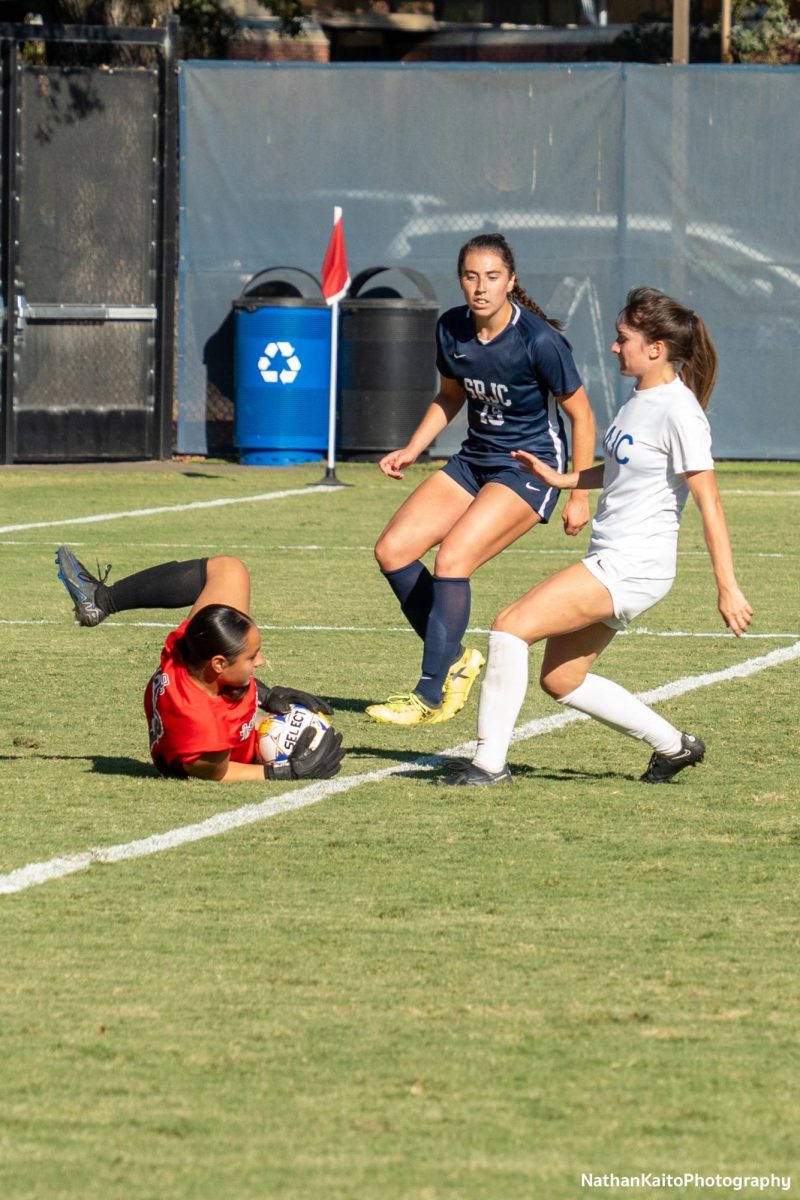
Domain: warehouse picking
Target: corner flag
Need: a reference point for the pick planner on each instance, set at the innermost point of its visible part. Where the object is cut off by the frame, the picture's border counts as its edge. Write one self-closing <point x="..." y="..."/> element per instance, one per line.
<point x="335" y="282"/>
<point x="335" y="275"/>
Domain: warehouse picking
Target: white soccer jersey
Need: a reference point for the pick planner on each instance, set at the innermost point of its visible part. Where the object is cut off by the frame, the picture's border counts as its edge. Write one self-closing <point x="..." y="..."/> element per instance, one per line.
<point x="657" y="436"/>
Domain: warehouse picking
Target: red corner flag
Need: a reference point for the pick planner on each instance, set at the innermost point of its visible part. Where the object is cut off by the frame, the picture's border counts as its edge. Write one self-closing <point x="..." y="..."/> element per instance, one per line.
<point x="335" y="275"/>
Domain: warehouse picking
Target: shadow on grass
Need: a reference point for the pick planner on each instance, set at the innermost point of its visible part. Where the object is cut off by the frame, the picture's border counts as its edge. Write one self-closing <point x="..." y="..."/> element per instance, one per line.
<point x="200" y="475"/>
<point x="102" y="764"/>
<point x="431" y="767"/>
<point x="566" y="774"/>
<point x="398" y="756"/>
<point x="442" y="766"/>
<point x="347" y="704"/>
<point x="436" y="766"/>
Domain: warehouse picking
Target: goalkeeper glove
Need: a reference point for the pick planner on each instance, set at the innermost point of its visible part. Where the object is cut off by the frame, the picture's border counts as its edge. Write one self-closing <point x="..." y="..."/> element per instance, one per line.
<point x="324" y="761"/>
<point x="281" y="699"/>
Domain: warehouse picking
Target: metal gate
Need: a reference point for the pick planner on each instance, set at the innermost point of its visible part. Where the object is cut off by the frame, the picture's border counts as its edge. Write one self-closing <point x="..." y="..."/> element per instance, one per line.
<point x="88" y="209"/>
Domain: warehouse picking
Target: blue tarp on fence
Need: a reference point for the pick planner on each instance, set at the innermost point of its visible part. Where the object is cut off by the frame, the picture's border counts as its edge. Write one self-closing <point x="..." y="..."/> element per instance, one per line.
<point x="603" y="177"/>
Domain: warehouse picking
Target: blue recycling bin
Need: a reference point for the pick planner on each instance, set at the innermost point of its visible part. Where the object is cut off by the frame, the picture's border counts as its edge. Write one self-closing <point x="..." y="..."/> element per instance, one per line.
<point x="282" y="333"/>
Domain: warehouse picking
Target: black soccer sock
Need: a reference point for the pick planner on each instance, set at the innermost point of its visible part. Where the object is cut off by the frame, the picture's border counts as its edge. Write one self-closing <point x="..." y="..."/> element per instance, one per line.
<point x="447" y="624"/>
<point x="413" y="586"/>
<point x="169" y="585"/>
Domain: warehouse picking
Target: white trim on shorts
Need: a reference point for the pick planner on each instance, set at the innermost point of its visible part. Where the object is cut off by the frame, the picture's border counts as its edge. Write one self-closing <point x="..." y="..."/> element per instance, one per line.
<point x="631" y="595"/>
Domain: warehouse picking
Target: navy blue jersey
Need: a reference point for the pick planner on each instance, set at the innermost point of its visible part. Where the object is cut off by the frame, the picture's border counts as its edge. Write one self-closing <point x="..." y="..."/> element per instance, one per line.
<point x="511" y="385"/>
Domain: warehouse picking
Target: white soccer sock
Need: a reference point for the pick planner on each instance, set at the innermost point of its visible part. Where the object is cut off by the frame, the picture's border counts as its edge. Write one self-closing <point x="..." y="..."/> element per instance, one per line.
<point x="505" y="682"/>
<point x="611" y="704"/>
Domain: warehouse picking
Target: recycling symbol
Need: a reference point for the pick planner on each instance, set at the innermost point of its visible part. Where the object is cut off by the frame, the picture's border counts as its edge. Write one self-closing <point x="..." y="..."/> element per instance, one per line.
<point x="268" y="367"/>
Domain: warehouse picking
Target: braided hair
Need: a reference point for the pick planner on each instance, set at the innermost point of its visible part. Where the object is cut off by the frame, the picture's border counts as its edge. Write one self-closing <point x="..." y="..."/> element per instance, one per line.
<point x="690" y="349"/>
<point x="495" y="243"/>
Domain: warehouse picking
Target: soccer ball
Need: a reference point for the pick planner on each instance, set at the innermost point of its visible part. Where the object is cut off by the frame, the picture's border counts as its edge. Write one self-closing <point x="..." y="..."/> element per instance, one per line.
<point x="277" y="736"/>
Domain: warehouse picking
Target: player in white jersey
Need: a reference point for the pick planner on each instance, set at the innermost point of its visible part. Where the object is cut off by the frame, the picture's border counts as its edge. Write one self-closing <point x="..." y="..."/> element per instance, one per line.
<point x="657" y="451"/>
<point x="502" y="357"/>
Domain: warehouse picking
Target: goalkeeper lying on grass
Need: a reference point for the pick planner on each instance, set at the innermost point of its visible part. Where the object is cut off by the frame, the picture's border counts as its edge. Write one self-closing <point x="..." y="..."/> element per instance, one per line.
<point x="202" y="702"/>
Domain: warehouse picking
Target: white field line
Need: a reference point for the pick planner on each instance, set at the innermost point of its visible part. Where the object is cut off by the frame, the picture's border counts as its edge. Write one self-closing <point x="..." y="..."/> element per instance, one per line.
<point x="405" y="629"/>
<point x="56" y="868"/>
<point x="95" y="518"/>
<point x="331" y="548"/>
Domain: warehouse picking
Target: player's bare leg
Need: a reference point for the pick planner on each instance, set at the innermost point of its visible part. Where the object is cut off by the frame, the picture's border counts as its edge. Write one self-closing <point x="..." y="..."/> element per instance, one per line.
<point x="496" y="518"/>
<point x="421" y="521"/>
<point x="227" y="582"/>
<point x="568" y="601"/>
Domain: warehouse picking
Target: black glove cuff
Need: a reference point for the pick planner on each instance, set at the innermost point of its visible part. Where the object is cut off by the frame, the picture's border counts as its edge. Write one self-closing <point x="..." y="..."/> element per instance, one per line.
<point x="278" y="771"/>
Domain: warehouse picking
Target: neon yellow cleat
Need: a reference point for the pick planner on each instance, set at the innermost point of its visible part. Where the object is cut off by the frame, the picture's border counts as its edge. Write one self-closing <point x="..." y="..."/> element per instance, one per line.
<point x="407" y="709"/>
<point x="458" y="684"/>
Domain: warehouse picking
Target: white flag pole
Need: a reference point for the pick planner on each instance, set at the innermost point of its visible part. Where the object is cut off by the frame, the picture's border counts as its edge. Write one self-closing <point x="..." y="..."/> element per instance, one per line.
<point x="331" y="470"/>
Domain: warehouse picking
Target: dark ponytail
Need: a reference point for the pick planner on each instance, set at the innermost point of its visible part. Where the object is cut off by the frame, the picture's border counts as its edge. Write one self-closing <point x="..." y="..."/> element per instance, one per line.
<point x="215" y="629"/>
<point x="689" y="346"/>
<point x="495" y="243"/>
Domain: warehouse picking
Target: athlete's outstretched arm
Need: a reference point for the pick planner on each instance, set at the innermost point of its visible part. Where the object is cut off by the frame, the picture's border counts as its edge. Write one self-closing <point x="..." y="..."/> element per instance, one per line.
<point x="591" y="477"/>
<point x="448" y="400"/>
<point x="321" y="762"/>
<point x="581" y="417"/>
<point x="218" y="768"/>
<point x="731" y="602"/>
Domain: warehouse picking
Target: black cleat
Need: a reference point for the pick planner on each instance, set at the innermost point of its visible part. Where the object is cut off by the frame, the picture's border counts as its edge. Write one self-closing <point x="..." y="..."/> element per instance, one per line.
<point x="82" y="587"/>
<point x="468" y="775"/>
<point x="662" y="767"/>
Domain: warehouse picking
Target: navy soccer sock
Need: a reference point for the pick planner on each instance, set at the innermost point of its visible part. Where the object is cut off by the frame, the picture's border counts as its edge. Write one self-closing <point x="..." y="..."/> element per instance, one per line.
<point x="413" y="586"/>
<point x="447" y="624"/>
<point x="169" y="585"/>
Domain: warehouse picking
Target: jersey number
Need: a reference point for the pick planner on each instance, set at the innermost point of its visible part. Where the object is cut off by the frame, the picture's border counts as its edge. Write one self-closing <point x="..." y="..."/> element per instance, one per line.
<point x="491" y="412"/>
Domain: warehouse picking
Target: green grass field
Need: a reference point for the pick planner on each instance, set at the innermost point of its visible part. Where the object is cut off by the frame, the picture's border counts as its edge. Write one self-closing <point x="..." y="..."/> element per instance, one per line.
<point x="399" y="990"/>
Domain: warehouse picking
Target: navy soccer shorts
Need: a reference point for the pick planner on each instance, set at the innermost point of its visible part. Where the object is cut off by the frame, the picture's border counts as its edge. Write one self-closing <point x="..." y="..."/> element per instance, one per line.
<point x="541" y="498"/>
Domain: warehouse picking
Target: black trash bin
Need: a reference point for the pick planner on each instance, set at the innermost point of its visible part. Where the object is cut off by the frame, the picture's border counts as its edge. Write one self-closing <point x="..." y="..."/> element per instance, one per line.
<point x="387" y="361"/>
<point x="282" y="389"/>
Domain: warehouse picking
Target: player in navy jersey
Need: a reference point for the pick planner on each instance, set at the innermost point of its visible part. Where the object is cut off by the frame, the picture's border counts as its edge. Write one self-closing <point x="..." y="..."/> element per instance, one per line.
<point x="509" y="363"/>
<point x="657" y="451"/>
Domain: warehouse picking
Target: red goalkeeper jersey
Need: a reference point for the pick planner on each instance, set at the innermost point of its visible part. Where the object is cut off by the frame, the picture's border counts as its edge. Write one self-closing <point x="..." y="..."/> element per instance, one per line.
<point x="186" y="722"/>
